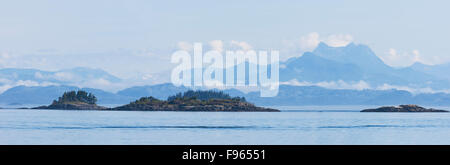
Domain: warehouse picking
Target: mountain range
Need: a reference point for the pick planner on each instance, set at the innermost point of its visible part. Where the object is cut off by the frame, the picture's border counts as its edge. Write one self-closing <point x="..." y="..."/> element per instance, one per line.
<point x="355" y="63"/>
<point x="288" y="96"/>
<point x="352" y="74"/>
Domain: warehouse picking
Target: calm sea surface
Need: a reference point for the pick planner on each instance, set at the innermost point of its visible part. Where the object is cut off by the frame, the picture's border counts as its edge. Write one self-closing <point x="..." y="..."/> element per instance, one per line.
<point x="287" y="127"/>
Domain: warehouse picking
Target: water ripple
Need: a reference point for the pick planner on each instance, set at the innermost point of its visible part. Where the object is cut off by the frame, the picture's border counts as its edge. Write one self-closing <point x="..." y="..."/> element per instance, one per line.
<point x="161" y="127"/>
<point x="379" y="126"/>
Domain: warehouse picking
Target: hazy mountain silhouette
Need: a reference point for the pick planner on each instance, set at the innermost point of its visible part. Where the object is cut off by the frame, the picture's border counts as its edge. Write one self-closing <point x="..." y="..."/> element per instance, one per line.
<point x="440" y="71"/>
<point x="354" y="63"/>
<point x="288" y="95"/>
<point x="22" y="95"/>
<point x="351" y="63"/>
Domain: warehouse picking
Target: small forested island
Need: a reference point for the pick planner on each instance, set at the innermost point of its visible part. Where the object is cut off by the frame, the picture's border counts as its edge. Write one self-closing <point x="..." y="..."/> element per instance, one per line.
<point x="72" y="100"/>
<point x="403" y="108"/>
<point x="209" y="101"/>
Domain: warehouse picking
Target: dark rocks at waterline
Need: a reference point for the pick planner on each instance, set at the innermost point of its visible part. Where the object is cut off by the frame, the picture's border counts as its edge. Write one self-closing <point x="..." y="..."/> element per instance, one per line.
<point x="207" y="108"/>
<point x="192" y="104"/>
<point x="403" y="108"/>
<point x="73" y="106"/>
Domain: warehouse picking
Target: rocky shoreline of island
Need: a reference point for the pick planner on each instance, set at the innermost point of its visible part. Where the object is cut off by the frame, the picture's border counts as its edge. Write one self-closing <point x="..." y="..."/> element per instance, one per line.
<point x="403" y="108"/>
<point x="192" y="101"/>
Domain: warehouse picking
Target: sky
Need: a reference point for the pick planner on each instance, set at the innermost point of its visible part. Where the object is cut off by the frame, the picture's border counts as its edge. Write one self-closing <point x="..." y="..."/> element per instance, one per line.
<point x="137" y="37"/>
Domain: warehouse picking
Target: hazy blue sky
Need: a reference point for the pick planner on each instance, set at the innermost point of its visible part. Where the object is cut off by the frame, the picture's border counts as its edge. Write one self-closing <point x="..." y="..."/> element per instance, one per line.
<point x="141" y="35"/>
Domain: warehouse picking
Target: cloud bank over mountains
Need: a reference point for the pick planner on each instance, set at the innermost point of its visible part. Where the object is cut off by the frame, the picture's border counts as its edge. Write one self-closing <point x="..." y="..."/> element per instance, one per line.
<point x="353" y="66"/>
<point x="132" y="63"/>
<point x="326" y="75"/>
<point x="83" y="77"/>
<point x="332" y="61"/>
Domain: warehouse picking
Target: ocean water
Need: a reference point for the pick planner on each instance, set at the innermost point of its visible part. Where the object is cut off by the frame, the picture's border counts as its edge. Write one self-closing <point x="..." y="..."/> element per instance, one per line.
<point x="287" y="127"/>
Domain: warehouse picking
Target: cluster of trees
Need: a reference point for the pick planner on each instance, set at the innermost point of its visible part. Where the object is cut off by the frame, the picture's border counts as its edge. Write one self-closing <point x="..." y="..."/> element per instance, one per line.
<point x="79" y="96"/>
<point x="191" y="98"/>
<point x="204" y="96"/>
<point x="148" y="100"/>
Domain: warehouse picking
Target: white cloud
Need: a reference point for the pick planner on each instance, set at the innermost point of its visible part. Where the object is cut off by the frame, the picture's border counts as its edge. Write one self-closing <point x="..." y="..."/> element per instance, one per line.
<point x="147" y="76"/>
<point x="410" y="89"/>
<point x="38" y="75"/>
<point x="98" y="83"/>
<point x="340" y="84"/>
<point x="185" y="46"/>
<point x="241" y="44"/>
<point x="15" y="59"/>
<point x="27" y="83"/>
<point x="63" y="76"/>
<point x="10" y="84"/>
<point x="362" y="85"/>
<point x="4" y="88"/>
<point x="416" y="53"/>
<point x="400" y="58"/>
<point x="309" y="42"/>
<point x="338" y="40"/>
<point x="144" y="53"/>
<point x="312" y="40"/>
<point x="4" y="81"/>
<point x="4" y="56"/>
<point x="216" y="45"/>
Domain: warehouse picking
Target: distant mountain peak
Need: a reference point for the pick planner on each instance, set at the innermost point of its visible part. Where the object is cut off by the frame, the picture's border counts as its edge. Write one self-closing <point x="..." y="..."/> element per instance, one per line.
<point x="358" y="54"/>
<point x="419" y="64"/>
<point x="322" y="45"/>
